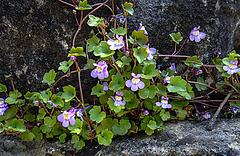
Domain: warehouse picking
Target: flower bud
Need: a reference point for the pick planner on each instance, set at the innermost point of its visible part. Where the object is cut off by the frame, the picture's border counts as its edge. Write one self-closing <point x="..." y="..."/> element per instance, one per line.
<point x="74" y="12"/>
<point x="73" y="58"/>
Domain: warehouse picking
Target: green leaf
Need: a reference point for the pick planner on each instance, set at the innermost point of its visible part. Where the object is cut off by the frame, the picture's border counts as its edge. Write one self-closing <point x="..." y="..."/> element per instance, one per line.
<point x="128" y="95"/>
<point x="193" y="62"/>
<point x="177" y="106"/>
<point x="162" y="89"/>
<point x="91" y="61"/>
<point x="41" y="114"/>
<point x="176" y="37"/>
<point x="117" y="82"/>
<point x="149" y="131"/>
<point x="92" y="43"/>
<point x="13" y="95"/>
<point x="149" y="103"/>
<point x="113" y="107"/>
<point x="133" y="103"/>
<point x="201" y="87"/>
<point x="128" y="7"/>
<point x="18" y="125"/>
<point x="49" y="77"/>
<point x="140" y="54"/>
<point x="77" y="128"/>
<point x="218" y="62"/>
<point x="140" y="37"/>
<point x="107" y="123"/>
<point x="62" y="137"/>
<point x="68" y="93"/>
<point x="37" y="133"/>
<point x="120" y="31"/>
<point x="45" y="95"/>
<point x="95" y="21"/>
<point x="83" y="5"/>
<point x="11" y="112"/>
<point x="103" y="50"/>
<point x="30" y="95"/>
<point x="96" y="114"/>
<point x="164" y="115"/>
<point x="152" y="125"/>
<point x="50" y="122"/>
<point x="45" y="129"/>
<point x="97" y="90"/>
<point x="149" y="71"/>
<point x="29" y="117"/>
<point x="57" y="100"/>
<point x="176" y="84"/>
<point x="27" y="136"/>
<point x="121" y="128"/>
<point x="1" y="127"/>
<point x="77" y="52"/>
<point x="3" y="88"/>
<point x="79" y="145"/>
<point x="105" y="138"/>
<point x="64" y="66"/>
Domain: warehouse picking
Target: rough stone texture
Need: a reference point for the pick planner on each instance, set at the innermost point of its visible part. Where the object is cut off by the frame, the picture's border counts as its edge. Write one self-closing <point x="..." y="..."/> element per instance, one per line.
<point x="178" y="139"/>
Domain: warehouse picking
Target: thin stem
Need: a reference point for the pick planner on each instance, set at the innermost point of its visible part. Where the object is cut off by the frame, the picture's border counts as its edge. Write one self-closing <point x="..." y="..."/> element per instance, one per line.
<point x="180" y="56"/>
<point x="175" y="49"/>
<point x="206" y="86"/>
<point x="182" y="44"/>
<point x="66" y="3"/>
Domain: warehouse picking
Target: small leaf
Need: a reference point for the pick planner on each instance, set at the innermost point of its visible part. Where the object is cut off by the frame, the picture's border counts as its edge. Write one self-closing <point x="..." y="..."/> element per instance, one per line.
<point x="13" y="95"/>
<point x="149" y="131"/>
<point x="176" y="84"/>
<point x="128" y="7"/>
<point x="62" y="137"/>
<point x="64" y="66"/>
<point x="18" y="125"/>
<point x="121" y="128"/>
<point x="201" y="87"/>
<point x="149" y="71"/>
<point x="29" y="117"/>
<point x="41" y="114"/>
<point x="45" y="95"/>
<point x="113" y="107"/>
<point x="96" y="114"/>
<point x="133" y="103"/>
<point x="140" y="37"/>
<point x="140" y="54"/>
<point x="49" y="77"/>
<point x="164" y="115"/>
<point x="83" y="5"/>
<point x="117" y="82"/>
<point x="162" y="89"/>
<point x="92" y="43"/>
<point x="68" y="93"/>
<point x="103" y="50"/>
<point x="37" y="133"/>
<point x="77" y="128"/>
<point x="79" y="145"/>
<point x="106" y="124"/>
<point x="11" y="112"/>
<point x="50" y="122"/>
<point x="177" y="106"/>
<point x="128" y="95"/>
<point x="27" y="136"/>
<point x="120" y="31"/>
<point x="194" y="62"/>
<point x="3" y="88"/>
<point x="152" y="125"/>
<point x="91" y="61"/>
<point x="94" y="21"/>
<point x="105" y="138"/>
<point x="77" y="52"/>
<point x="97" y="90"/>
<point x="176" y="37"/>
<point x="149" y="103"/>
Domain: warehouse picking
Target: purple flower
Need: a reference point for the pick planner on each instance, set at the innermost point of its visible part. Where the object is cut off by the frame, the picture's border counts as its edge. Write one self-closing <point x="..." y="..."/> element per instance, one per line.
<point x="52" y="104"/>
<point x="199" y="71"/>
<point x="167" y="79"/>
<point x="73" y="58"/>
<point x="118" y="100"/>
<point x="233" y="68"/>
<point x="143" y="28"/>
<point x="206" y="115"/>
<point x="116" y="44"/>
<point x="234" y="109"/>
<point x="3" y="106"/>
<point x="150" y="52"/>
<point x="196" y="35"/>
<point x="173" y="68"/>
<point x="79" y="112"/>
<point x="67" y="117"/>
<point x="164" y="103"/>
<point x="135" y="83"/>
<point x="145" y="112"/>
<point x="101" y="70"/>
<point x="105" y="86"/>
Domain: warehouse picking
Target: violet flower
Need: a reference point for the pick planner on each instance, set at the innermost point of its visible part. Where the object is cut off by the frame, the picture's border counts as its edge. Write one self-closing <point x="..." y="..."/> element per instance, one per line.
<point x="118" y="100"/>
<point x="73" y="58"/>
<point x="3" y="106"/>
<point x="105" y="86"/>
<point x="234" y="109"/>
<point x="116" y="44"/>
<point x="67" y="117"/>
<point x="150" y="52"/>
<point x="145" y="112"/>
<point x="79" y="112"/>
<point x="164" y="103"/>
<point x="135" y="83"/>
<point x="167" y="79"/>
<point x="199" y="71"/>
<point x="101" y="70"/>
<point x="233" y="68"/>
<point x="196" y="35"/>
<point x="173" y="68"/>
<point x="143" y="28"/>
<point x="206" y="115"/>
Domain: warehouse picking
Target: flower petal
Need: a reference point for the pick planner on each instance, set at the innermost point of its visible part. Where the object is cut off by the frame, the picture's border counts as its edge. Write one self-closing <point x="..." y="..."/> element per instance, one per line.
<point x="129" y="83"/>
<point x="94" y="73"/>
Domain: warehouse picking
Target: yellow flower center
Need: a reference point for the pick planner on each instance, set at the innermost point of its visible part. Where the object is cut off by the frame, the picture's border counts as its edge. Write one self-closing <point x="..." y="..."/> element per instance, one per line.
<point x="148" y="51"/>
<point x="65" y="116"/>
<point x="118" y="98"/>
<point x="167" y="78"/>
<point x="196" y="33"/>
<point x="99" y="69"/>
<point x="235" y="112"/>
<point x="164" y="101"/>
<point x="135" y="81"/>
<point x="117" y="41"/>
<point x="206" y="115"/>
<point x="1" y="101"/>
<point x="232" y="66"/>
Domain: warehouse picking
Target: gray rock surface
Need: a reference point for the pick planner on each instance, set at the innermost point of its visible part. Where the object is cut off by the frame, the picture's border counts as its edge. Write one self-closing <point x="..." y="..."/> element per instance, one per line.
<point x="178" y="139"/>
<point x="181" y="139"/>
